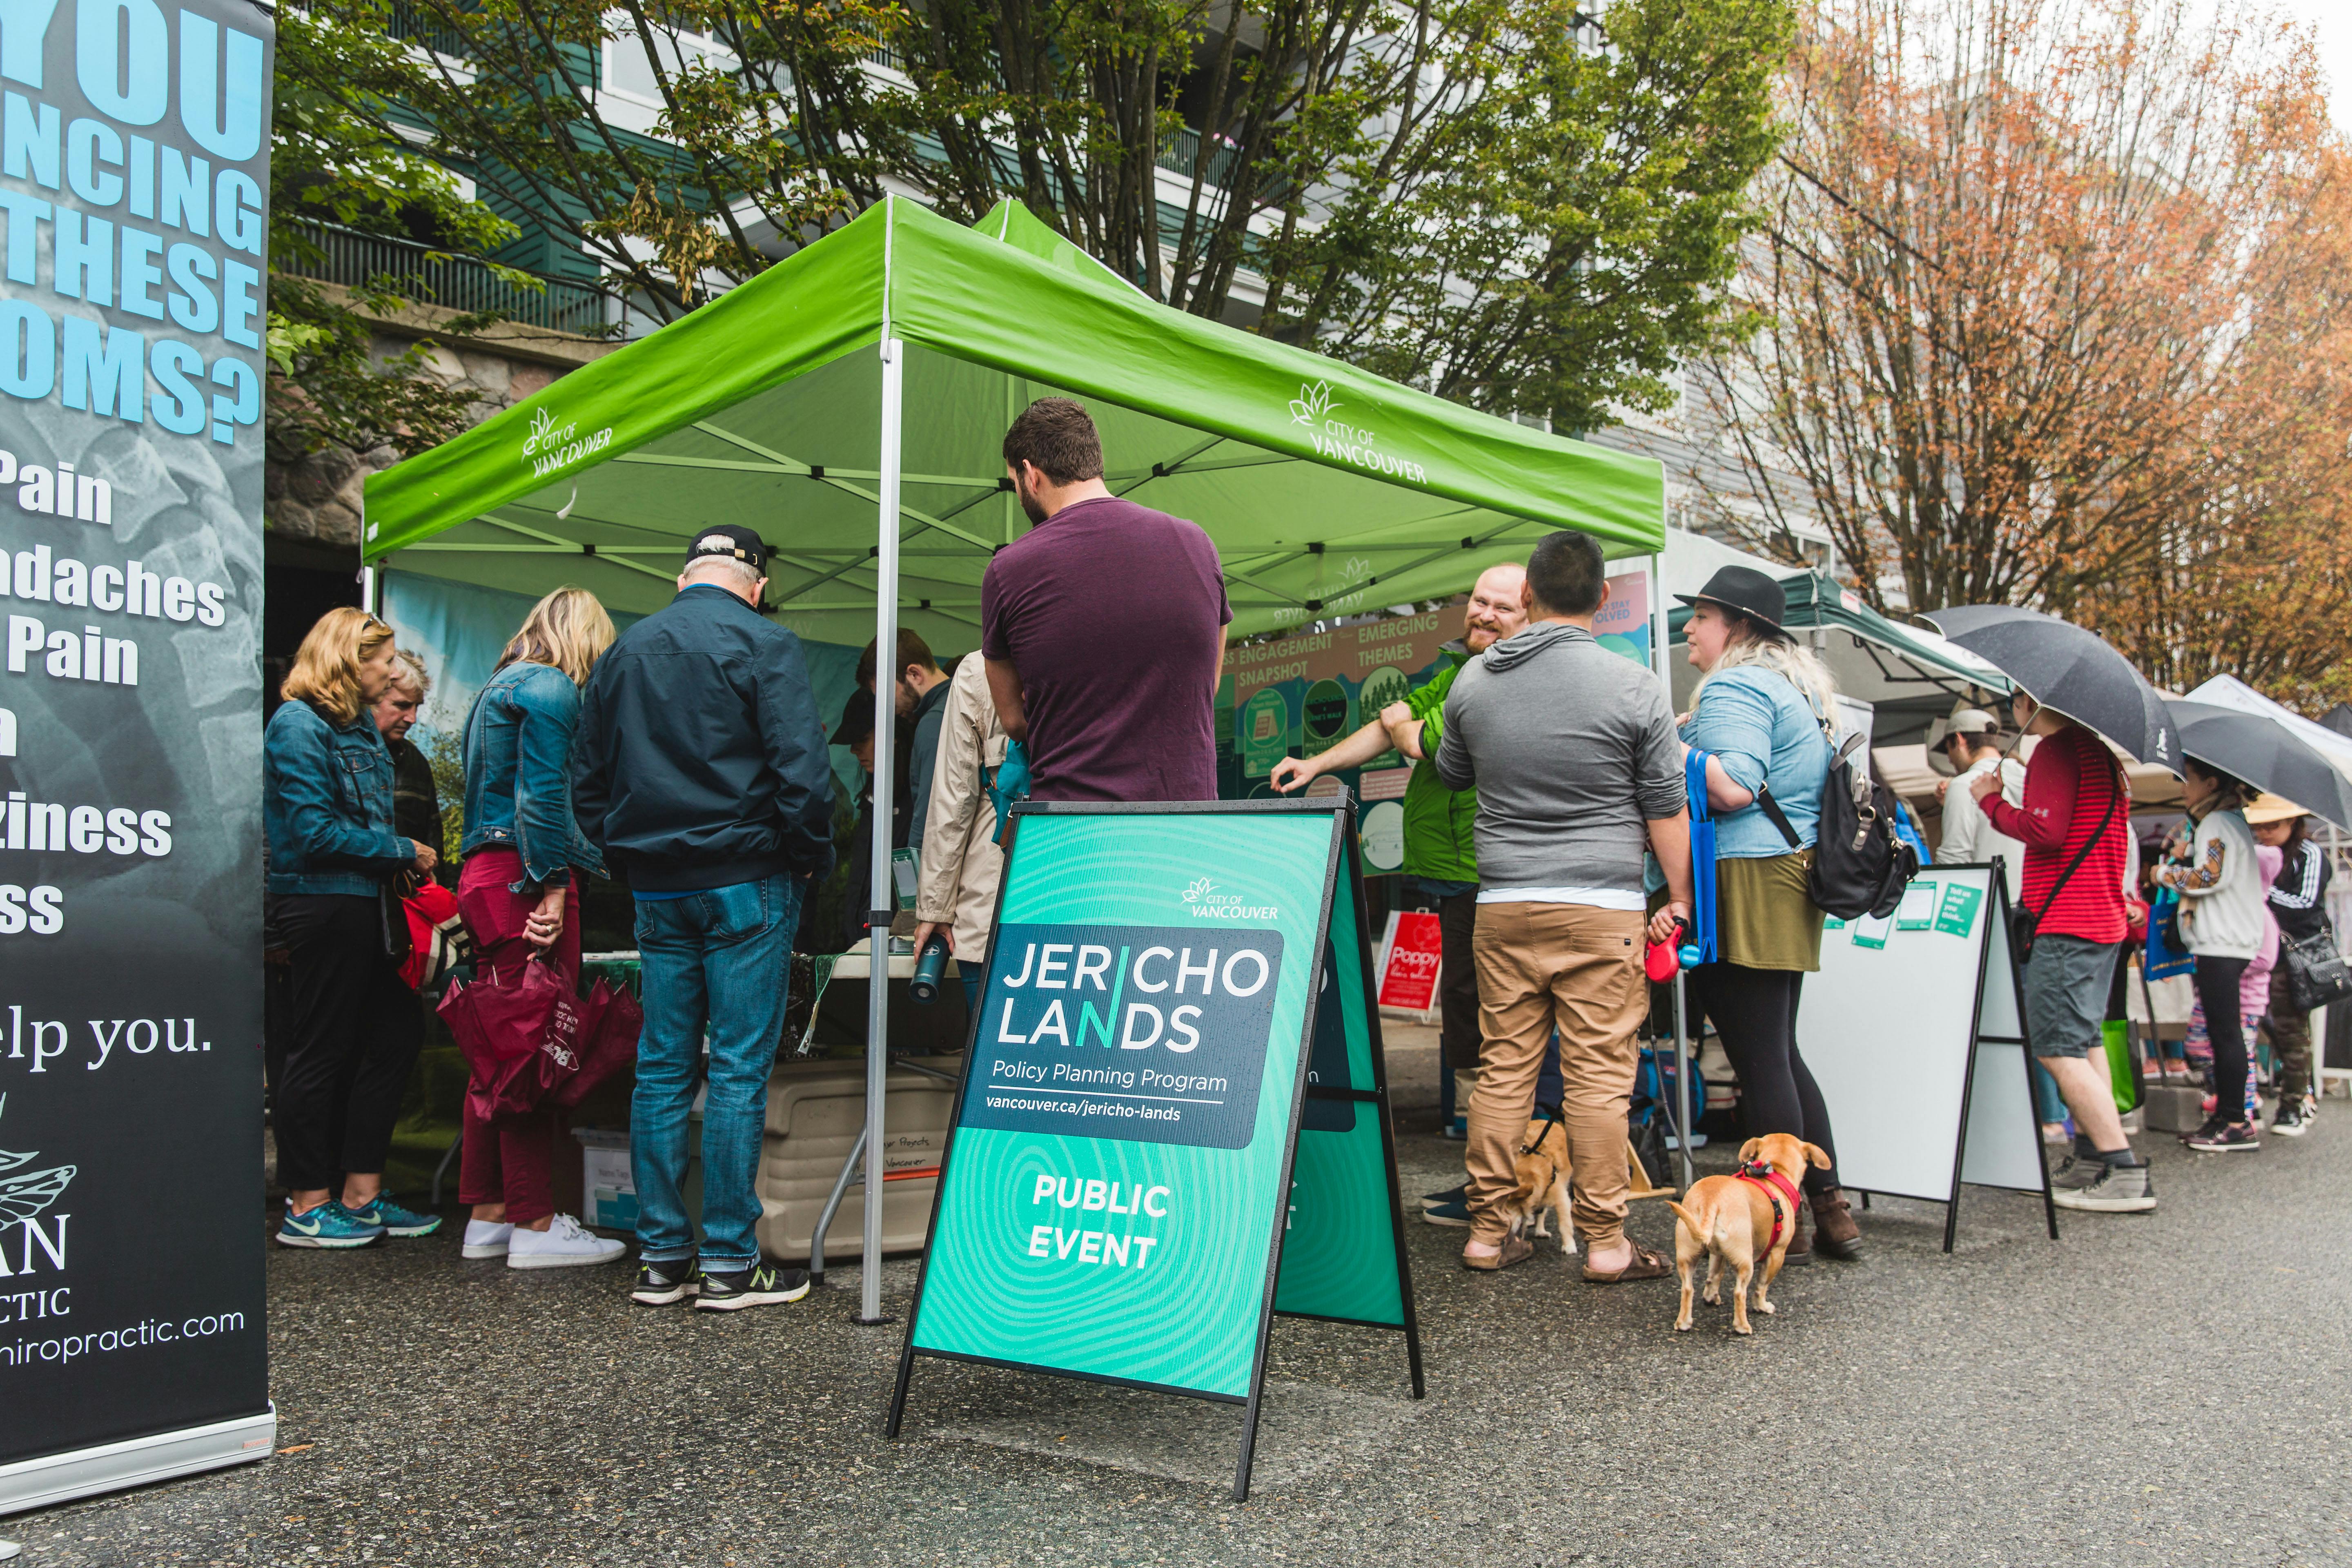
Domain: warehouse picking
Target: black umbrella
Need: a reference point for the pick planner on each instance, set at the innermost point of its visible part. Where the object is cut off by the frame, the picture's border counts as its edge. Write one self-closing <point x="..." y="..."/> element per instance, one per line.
<point x="2264" y="754"/>
<point x="2063" y="667"/>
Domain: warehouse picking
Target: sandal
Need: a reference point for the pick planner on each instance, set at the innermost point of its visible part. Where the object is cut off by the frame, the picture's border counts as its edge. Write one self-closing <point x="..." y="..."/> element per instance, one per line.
<point x="1516" y="1249"/>
<point x="1644" y="1264"/>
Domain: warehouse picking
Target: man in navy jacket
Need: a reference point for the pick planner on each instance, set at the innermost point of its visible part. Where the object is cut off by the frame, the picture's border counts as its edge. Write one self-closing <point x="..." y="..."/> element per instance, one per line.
<point x="700" y="769"/>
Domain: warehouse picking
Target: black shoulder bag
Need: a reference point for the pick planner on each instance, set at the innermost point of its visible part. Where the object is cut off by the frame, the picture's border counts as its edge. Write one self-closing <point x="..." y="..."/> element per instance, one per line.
<point x="2025" y="923"/>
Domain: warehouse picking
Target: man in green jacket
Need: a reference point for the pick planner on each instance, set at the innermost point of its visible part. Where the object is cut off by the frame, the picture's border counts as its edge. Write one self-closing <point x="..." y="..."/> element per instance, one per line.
<point x="1440" y="864"/>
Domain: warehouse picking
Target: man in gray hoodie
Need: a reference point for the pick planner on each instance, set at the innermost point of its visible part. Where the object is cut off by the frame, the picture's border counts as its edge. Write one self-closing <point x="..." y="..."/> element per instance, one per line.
<point x="1578" y="767"/>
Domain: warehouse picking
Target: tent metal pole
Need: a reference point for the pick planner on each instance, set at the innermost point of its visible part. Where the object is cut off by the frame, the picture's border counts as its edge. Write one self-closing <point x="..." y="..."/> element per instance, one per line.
<point x="1684" y="1116"/>
<point x="882" y="901"/>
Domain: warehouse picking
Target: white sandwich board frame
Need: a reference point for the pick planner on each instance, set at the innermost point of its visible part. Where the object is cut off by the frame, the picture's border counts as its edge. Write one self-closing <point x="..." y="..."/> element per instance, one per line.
<point x="1916" y="1034"/>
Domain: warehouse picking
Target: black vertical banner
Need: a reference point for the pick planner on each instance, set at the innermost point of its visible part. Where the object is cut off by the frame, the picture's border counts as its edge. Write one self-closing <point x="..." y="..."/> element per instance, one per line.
<point x="134" y="151"/>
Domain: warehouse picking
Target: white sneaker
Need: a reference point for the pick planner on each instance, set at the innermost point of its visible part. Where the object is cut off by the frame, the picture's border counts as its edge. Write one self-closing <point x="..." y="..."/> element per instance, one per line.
<point x="563" y="1244"/>
<point x="486" y="1237"/>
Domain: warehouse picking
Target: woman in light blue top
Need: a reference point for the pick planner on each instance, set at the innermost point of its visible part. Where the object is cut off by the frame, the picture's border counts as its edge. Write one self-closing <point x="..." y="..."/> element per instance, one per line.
<point x="1763" y="713"/>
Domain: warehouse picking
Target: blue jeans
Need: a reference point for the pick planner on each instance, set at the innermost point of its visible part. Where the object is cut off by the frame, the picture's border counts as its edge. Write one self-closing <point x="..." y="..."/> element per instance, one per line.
<point x="2050" y="1105"/>
<point x="721" y="957"/>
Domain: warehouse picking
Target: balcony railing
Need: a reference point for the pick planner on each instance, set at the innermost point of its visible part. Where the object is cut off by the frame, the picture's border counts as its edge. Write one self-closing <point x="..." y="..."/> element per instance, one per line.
<point x="1180" y="151"/>
<point x="413" y="24"/>
<point x="461" y="283"/>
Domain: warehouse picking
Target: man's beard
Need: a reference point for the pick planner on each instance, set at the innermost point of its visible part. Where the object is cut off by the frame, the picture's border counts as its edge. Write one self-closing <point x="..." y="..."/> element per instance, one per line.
<point x="1029" y="502"/>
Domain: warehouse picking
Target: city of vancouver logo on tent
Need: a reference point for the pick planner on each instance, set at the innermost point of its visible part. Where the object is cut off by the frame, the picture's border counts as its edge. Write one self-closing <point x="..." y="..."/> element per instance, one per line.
<point x="1338" y="441"/>
<point x="550" y="446"/>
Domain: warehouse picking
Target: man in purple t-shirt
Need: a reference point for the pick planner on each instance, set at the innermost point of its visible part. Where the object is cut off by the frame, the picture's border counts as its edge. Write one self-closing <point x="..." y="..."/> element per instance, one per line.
<point x="1104" y="626"/>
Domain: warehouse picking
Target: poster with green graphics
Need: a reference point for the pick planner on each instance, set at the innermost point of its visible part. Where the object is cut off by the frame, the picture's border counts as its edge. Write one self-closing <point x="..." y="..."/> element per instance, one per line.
<point x="1173" y="1120"/>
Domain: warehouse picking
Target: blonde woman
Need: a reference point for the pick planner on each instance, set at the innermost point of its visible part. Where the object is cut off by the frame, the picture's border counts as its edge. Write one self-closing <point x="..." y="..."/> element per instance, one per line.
<point x="355" y="1028"/>
<point x="522" y="851"/>
<point x="1761" y="713"/>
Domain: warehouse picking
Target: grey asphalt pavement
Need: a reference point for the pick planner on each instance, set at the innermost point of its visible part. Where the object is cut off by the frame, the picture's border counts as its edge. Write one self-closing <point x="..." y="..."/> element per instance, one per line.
<point x="2172" y="1388"/>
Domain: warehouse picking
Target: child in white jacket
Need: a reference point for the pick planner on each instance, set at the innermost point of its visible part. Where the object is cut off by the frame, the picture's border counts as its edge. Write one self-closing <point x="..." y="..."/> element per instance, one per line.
<point x="2223" y="920"/>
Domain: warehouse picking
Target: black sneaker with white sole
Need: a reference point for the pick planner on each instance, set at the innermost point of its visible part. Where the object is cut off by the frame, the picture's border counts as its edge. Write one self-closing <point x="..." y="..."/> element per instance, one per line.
<point x="2211" y="1127"/>
<point x="765" y="1286"/>
<point x="2294" y="1117"/>
<point x="1460" y="1195"/>
<point x="659" y="1284"/>
<point x="2233" y="1137"/>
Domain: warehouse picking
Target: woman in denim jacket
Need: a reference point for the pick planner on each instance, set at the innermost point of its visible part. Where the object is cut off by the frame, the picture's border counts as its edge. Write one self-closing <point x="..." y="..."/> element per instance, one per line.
<point x="355" y="1026"/>
<point x="1759" y="712"/>
<point x="521" y="849"/>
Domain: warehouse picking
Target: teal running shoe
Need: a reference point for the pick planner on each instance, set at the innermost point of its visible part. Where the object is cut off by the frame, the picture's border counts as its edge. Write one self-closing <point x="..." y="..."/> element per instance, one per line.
<point x="396" y="1220"/>
<point x="330" y="1225"/>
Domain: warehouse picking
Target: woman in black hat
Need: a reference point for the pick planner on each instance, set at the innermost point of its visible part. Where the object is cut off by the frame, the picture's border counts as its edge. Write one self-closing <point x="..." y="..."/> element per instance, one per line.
<point x="1764" y="712"/>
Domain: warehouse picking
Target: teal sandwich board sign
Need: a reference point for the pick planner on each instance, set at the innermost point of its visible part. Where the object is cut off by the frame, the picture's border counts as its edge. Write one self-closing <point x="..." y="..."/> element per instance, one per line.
<point x="1173" y="1122"/>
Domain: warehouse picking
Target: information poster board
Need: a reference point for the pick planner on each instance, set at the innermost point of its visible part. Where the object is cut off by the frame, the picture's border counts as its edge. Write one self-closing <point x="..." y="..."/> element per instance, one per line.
<point x="1912" y="1028"/>
<point x="1173" y="1120"/>
<point x="1298" y="696"/>
<point x="132" y="322"/>
<point x="1411" y="960"/>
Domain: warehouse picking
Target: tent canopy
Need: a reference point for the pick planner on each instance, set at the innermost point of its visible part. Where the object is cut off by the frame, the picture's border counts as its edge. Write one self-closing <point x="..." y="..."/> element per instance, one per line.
<point x="1327" y="490"/>
<point x="1910" y="676"/>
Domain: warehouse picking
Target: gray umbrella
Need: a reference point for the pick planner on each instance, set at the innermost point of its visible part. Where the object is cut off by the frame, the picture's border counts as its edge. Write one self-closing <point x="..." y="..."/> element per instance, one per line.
<point x="2062" y="665"/>
<point x="2264" y="754"/>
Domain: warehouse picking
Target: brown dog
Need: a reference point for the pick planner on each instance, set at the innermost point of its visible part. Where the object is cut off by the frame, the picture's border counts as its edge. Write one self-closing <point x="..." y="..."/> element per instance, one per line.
<point x="1541" y="1175"/>
<point x="1737" y="1219"/>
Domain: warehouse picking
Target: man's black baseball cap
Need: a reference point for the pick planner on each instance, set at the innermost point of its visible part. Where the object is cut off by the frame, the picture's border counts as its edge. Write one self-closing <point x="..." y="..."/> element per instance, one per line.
<point x="856" y="718"/>
<point x="732" y="541"/>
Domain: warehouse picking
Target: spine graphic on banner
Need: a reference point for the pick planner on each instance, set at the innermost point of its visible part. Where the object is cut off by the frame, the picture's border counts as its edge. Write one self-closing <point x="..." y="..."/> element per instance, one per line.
<point x="133" y="164"/>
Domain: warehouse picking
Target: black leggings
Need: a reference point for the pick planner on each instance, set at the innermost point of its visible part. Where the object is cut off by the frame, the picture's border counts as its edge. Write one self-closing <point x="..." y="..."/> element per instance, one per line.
<point x="353" y="1032"/>
<point x="1755" y="1014"/>
<point x="2217" y="991"/>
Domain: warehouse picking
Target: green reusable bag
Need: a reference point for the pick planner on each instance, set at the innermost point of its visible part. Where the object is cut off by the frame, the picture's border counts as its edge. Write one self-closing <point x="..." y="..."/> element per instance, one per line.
<point x="2122" y="1072"/>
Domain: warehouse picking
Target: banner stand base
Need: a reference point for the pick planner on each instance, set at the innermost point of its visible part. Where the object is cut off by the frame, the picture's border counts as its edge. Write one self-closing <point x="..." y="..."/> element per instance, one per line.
<point x="135" y="1462"/>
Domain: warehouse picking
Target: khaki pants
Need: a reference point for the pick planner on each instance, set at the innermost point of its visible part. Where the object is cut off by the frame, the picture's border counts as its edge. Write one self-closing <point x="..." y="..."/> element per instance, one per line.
<point x="1579" y="969"/>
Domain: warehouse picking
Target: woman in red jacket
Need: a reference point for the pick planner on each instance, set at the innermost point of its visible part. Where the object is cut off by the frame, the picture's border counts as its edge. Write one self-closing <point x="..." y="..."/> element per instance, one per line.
<point x="2075" y="826"/>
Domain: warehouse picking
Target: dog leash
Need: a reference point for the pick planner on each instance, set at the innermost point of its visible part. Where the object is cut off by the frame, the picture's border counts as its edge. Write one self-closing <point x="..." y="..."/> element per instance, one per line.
<point x="1758" y="1174"/>
<point x="1551" y="1120"/>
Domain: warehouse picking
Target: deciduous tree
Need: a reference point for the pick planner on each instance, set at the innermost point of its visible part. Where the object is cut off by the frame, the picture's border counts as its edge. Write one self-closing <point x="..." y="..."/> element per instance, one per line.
<point x="2047" y="296"/>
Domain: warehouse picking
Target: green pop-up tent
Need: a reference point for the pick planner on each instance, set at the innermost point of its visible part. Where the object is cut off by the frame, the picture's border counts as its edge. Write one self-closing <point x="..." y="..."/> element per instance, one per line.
<point x="871" y="376"/>
<point x="1327" y="490"/>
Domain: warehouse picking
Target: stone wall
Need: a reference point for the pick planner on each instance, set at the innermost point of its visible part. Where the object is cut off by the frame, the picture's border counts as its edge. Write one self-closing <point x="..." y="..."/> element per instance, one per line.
<point x="316" y="499"/>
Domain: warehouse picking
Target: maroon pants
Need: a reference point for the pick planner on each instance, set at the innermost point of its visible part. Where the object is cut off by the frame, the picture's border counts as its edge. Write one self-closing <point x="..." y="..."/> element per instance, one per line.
<point x="507" y="1159"/>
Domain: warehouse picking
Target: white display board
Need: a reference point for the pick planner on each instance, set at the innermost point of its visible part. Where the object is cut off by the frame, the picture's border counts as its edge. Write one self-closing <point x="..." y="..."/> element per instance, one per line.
<point x="1912" y="1031"/>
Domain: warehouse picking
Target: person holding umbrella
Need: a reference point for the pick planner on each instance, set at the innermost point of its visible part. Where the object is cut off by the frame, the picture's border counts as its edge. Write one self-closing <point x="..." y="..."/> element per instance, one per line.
<point x="2298" y="901"/>
<point x="2075" y="824"/>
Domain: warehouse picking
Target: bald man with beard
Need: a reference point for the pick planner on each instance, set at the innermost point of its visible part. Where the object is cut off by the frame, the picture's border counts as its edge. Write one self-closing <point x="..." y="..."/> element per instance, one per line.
<point x="1440" y="861"/>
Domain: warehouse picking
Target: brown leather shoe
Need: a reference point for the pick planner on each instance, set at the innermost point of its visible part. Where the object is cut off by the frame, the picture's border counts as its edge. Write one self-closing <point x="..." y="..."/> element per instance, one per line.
<point x="1516" y="1249"/>
<point x="1800" y="1245"/>
<point x="1835" y="1234"/>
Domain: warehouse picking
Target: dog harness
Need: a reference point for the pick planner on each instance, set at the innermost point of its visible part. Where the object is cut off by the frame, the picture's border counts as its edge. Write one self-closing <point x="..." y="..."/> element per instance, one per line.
<point x="1776" y="1187"/>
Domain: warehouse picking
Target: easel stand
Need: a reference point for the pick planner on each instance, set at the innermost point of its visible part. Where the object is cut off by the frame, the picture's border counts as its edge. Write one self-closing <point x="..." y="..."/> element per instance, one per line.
<point x="1252" y="1168"/>
<point x="1915" y="1029"/>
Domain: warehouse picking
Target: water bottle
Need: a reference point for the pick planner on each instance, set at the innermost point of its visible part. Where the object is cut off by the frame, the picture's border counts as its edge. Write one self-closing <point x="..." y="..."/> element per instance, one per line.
<point x="928" y="970"/>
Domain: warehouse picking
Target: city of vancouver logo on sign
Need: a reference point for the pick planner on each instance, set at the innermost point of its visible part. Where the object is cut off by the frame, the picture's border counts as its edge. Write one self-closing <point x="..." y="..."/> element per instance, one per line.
<point x="1203" y="902"/>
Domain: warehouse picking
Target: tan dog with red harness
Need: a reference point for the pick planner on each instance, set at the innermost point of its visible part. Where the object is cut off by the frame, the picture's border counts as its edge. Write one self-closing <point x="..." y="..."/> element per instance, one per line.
<point x="1737" y="1219"/>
